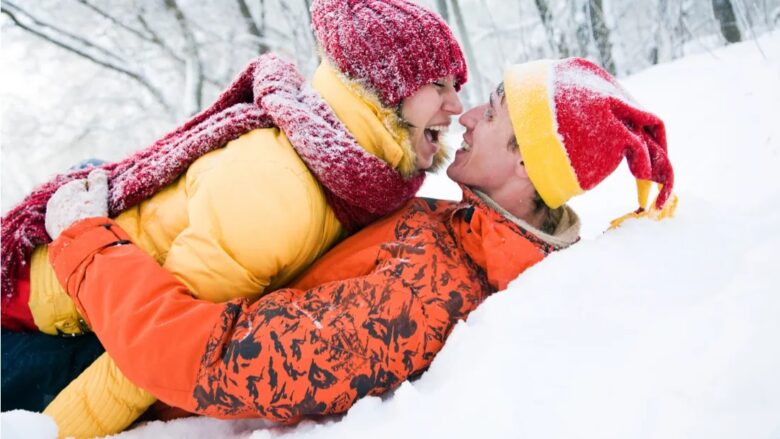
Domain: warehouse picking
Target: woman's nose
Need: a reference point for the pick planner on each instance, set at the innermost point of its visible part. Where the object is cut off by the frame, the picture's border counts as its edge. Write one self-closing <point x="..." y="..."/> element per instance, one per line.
<point x="452" y="102"/>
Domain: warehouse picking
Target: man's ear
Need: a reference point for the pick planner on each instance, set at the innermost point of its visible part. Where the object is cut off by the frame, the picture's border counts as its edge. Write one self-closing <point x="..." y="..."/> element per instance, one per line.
<point x="520" y="169"/>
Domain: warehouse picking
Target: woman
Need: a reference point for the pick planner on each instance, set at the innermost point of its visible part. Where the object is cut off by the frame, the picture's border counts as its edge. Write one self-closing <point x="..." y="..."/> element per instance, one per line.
<point x="312" y="166"/>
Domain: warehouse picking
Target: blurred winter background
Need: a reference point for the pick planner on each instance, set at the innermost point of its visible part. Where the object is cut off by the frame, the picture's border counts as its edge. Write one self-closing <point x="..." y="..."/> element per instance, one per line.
<point x="101" y="78"/>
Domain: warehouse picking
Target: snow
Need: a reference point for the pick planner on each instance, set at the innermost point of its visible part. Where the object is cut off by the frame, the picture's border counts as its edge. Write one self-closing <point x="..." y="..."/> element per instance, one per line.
<point x="573" y="76"/>
<point x="21" y="424"/>
<point x="653" y="330"/>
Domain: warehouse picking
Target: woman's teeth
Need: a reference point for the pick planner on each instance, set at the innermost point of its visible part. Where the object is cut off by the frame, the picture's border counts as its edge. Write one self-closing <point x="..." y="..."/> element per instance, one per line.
<point x="464" y="146"/>
<point x="434" y="133"/>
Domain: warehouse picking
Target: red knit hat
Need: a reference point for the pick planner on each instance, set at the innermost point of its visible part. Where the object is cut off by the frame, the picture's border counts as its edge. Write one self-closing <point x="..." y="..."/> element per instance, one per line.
<point x="574" y="124"/>
<point x="392" y="47"/>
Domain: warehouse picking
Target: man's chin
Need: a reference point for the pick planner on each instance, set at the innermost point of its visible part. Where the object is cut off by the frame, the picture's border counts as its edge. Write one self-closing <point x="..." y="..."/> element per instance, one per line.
<point x="452" y="173"/>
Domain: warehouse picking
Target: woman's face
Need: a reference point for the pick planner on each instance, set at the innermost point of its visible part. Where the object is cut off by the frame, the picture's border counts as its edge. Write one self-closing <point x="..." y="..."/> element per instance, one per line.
<point x="428" y="112"/>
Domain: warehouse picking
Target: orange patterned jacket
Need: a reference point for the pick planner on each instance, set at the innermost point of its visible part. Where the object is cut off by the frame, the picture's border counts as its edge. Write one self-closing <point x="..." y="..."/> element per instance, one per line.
<point x="368" y="315"/>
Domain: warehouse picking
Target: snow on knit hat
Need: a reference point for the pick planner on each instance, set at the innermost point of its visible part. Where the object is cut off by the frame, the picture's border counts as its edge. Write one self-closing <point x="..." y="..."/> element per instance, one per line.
<point x="574" y="124"/>
<point x="392" y="47"/>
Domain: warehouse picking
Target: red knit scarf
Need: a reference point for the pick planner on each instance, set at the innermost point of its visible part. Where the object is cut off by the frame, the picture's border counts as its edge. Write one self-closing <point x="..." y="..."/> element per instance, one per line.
<point x="269" y="92"/>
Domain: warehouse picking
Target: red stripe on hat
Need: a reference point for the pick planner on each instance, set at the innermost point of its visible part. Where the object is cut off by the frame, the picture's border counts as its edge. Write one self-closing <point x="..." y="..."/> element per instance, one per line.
<point x="600" y="124"/>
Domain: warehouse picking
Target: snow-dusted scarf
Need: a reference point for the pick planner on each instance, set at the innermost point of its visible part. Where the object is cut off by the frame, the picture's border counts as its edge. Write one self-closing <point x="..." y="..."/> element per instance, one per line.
<point x="270" y="92"/>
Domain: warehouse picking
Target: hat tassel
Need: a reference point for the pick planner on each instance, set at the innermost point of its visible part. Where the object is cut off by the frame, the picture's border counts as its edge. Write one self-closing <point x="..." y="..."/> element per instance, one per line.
<point x="652" y="212"/>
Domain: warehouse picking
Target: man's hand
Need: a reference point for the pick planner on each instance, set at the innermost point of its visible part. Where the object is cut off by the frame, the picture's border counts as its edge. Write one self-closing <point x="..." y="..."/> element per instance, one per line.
<point x="75" y="200"/>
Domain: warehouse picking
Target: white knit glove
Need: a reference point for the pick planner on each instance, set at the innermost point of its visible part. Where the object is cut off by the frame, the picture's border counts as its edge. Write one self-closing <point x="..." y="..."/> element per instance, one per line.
<point x="75" y="200"/>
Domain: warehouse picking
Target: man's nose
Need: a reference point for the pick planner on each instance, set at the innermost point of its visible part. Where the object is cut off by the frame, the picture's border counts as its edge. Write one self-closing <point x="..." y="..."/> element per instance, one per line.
<point x="470" y="117"/>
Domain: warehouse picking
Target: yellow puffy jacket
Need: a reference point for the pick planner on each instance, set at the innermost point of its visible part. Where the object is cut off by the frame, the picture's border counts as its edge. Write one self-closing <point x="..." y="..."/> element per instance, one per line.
<point x="242" y="219"/>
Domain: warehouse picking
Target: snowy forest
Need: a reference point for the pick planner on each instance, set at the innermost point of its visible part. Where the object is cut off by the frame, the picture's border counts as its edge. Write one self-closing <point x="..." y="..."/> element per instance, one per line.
<point x="100" y="78"/>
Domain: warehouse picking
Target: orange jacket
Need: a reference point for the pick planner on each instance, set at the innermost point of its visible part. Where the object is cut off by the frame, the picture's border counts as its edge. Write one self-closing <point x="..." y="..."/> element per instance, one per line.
<point x="369" y="314"/>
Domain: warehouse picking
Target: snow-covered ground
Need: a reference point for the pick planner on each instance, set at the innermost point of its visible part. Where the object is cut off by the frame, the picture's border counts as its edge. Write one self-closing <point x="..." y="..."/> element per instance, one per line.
<point x="654" y="330"/>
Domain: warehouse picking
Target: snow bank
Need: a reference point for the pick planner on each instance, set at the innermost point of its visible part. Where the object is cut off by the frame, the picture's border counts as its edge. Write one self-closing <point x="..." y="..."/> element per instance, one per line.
<point x="21" y="424"/>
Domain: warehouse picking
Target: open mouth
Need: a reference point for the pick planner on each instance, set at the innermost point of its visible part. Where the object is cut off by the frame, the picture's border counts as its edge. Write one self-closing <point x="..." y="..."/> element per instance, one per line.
<point x="464" y="146"/>
<point x="434" y="133"/>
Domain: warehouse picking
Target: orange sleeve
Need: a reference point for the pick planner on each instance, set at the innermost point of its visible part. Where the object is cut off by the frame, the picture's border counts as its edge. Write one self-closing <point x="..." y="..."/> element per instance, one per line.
<point x="292" y="353"/>
<point x="144" y="317"/>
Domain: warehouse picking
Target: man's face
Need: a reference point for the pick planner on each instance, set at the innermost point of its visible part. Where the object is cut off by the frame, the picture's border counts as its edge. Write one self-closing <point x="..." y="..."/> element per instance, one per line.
<point x="486" y="160"/>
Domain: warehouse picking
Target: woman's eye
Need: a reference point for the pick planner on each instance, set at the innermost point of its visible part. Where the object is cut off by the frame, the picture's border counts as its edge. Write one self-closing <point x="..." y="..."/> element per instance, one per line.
<point x="488" y="114"/>
<point x="439" y="84"/>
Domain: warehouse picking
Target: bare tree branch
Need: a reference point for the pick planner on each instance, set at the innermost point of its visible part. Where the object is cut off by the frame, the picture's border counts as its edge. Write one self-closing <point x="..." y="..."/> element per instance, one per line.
<point x="155" y="38"/>
<point x="493" y="24"/>
<point x="44" y="25"/>
<point x="470" y="56"/>
<point x="103" y="63"/>
<point x="307" y="3"/>
<point x="724" y="13"/>
<point x="601" y="35"/>
<point x="557" y="43"/>
<point x="251" y="27"/>
<point x="194" y="66"/>
<point x="294" y="25"/>
<point x="441" y="5"/>
<point x="117" y="22"/>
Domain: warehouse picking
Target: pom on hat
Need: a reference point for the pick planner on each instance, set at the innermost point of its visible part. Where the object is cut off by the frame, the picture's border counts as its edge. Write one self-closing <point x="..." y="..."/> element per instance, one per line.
<point x="574" y="125"/>
<point x="392" y="47"/>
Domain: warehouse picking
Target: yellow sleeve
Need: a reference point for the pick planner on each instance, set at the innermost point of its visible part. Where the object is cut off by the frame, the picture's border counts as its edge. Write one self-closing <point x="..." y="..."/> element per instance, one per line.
<point x="101" y="401"/>
<point x="249" y="221"/>
<point x="52" y="309"/>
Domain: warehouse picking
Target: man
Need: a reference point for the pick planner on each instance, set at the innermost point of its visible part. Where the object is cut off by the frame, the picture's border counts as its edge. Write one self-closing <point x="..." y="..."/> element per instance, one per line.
<point x="377" y="308"/>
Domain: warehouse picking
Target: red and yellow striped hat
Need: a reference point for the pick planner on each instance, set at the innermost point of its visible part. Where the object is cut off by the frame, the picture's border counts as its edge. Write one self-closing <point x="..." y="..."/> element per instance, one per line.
<point x="574" y="124"/>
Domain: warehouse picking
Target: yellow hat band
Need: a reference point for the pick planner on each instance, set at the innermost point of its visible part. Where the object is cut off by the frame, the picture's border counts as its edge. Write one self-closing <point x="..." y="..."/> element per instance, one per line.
<point x="528" y="89"/>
